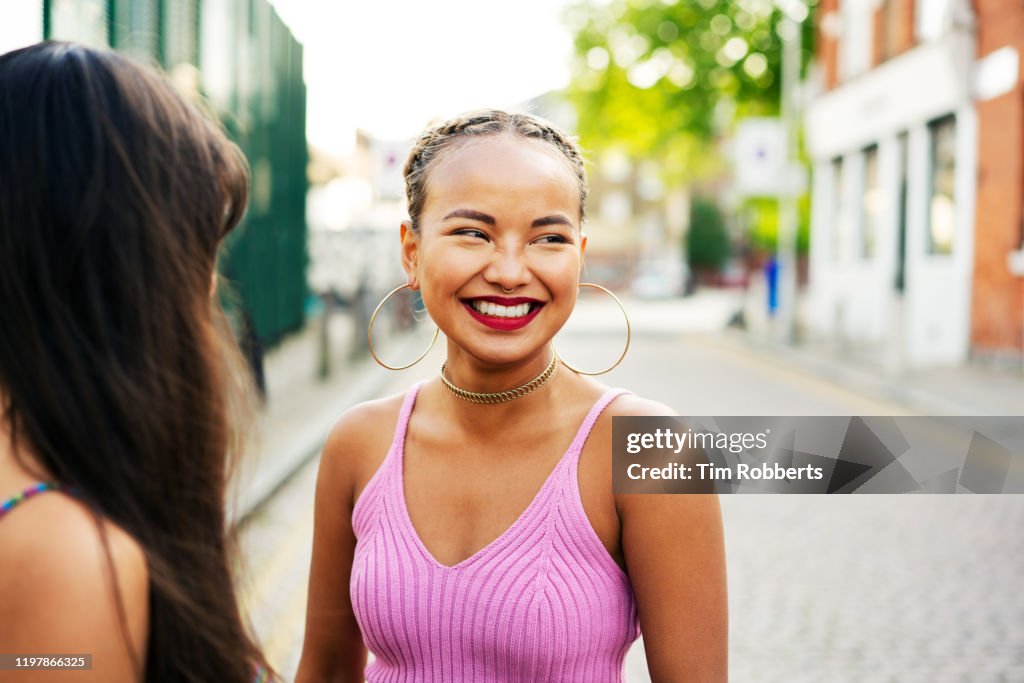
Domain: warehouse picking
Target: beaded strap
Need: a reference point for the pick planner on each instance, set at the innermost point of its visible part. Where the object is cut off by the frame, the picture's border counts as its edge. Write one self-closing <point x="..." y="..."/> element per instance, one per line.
<point x="501" y="396"/>
<point x="31" y="491"/>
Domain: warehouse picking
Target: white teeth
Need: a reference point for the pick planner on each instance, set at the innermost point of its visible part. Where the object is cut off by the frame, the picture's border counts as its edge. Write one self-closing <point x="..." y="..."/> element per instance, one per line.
<point x="499" y="311"/>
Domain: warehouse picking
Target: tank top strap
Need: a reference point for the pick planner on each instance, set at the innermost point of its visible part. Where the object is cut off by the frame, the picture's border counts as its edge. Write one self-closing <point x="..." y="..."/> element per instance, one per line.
<point x="388" y="474"/>
<point x="402" y="425"/>
<point x="573" y="454"/>
<point x="30" y="492"/>
<point x="392" y="464"/>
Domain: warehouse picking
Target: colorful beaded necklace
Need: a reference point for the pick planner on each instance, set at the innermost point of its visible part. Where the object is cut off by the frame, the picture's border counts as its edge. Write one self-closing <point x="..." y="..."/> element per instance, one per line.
<point x="34" y="490"/>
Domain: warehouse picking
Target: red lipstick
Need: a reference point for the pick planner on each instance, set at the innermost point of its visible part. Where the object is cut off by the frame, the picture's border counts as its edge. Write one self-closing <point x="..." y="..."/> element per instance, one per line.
<point x="504" y="324"/>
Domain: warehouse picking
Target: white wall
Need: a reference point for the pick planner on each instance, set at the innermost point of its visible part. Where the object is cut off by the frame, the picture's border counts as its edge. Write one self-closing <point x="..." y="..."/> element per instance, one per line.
<point x="939" y="286"/>
<point x="853" y="298"/>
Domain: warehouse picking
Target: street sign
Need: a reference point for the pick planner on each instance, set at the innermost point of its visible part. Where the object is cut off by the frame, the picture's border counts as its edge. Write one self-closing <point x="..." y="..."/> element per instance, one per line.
<point x="761" y="167"/>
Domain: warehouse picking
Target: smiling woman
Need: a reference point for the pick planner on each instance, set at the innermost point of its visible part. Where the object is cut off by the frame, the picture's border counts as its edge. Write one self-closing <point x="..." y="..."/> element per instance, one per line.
<point x="502" y="217"/>
<point x="467" y="531"/>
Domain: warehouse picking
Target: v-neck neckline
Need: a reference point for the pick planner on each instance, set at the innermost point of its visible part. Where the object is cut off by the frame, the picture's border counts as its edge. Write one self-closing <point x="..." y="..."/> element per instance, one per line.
<point x="575" y="446"/>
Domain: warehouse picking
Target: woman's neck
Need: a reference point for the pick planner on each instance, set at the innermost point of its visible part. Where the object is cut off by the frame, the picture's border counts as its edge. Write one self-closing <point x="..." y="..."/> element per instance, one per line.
<point x="473" y="375"/>
<point x="526" y="412"/>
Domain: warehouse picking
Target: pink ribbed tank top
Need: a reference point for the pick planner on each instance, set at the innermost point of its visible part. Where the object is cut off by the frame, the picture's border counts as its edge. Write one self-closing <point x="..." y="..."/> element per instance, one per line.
<point x="543" y="602"/>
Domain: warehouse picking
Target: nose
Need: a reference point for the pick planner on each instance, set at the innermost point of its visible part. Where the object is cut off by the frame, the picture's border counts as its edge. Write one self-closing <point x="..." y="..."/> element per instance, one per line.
<point x="508" y="269"/>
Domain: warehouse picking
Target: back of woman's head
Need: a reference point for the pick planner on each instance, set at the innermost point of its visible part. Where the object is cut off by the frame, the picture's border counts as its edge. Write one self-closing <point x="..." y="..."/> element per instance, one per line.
<point x="114" y="195"/>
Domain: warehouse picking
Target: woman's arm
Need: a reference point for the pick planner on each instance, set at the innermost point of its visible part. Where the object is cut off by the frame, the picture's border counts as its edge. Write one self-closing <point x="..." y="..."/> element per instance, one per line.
<point x="333" y="649"/>
<point x="674" y="550"/>
<point x="675" y="557"/>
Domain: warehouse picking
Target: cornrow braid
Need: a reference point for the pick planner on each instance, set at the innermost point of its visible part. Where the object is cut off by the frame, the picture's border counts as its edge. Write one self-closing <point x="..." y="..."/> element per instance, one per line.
<point x="434" y="142"/>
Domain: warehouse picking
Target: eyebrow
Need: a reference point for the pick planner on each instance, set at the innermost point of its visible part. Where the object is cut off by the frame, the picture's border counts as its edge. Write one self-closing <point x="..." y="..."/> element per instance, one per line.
<point x="556" y="219"/>
<point x="472" y="215"/>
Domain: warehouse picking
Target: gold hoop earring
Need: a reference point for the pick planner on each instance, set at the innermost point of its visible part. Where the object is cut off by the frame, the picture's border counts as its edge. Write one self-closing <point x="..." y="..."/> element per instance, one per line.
<point x="369" y="334"/>
<point x="628" y="334"/>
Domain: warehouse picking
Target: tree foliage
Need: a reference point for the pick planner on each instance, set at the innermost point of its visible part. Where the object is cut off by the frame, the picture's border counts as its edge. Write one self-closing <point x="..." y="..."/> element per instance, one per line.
<point x="760" y="215"/>
<point x="707" y="241"/>
<point x="663" y="78"/>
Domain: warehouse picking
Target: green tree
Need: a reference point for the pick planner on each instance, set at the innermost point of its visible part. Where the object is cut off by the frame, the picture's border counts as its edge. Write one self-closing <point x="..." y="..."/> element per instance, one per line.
<point x="707" y="242"/>
<point x="663" y="78"/>
<point x="761" y="218"/>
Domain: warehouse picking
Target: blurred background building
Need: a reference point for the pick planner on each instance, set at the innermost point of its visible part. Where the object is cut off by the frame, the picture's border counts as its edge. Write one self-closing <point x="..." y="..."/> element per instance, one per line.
<point x="907" y="238"/>
<point x="356" y="203"/>
<point x="918" y="165"/>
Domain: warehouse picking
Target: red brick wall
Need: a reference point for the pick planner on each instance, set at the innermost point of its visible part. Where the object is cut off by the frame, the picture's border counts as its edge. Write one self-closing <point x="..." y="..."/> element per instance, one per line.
<point x="905" y="37"/>
<point x="888" y="41"/>
<point x="997" y="305"/>
<point x="900" y="12"/>
<point x="878" y="28"/>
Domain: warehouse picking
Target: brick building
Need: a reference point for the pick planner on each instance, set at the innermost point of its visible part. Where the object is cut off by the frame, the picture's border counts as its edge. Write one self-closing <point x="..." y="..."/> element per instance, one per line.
<point x="917" y="143"/>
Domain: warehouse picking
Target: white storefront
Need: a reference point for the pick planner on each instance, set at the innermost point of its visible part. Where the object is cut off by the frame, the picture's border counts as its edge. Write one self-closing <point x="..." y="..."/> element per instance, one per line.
<point x="894" y="152"/>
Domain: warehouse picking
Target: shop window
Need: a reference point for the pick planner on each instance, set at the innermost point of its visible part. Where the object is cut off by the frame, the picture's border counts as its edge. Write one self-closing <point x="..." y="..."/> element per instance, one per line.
<point x="837" y="213"/>
<point x="941" y="204"/>
<point x="902" y="146"/>
<point x="871" y="203"/>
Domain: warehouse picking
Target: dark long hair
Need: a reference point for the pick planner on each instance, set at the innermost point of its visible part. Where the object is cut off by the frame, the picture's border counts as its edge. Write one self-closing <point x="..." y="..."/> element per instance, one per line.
<point x="114" y="196"/>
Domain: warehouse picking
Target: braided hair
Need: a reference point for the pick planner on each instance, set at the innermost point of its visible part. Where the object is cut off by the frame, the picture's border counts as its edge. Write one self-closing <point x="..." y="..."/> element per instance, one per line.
<point x="432" y="144"/>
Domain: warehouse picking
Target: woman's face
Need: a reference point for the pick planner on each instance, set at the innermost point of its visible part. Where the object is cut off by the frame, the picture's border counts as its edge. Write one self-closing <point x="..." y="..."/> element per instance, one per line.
<point x="499" y="248"/>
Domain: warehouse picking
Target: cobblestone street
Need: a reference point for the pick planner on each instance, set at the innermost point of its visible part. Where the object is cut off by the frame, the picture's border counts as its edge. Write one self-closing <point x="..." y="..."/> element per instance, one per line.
<point x="875" y="588"/>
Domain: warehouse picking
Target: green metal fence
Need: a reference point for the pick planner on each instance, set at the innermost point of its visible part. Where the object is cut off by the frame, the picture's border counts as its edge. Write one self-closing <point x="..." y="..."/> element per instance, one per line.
<point x="248" y="65"/>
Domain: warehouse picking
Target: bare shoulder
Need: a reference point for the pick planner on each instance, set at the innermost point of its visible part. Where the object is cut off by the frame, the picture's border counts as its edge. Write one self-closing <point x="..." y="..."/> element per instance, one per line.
<point x="55" y="538"/>
<point x="365" y="424"/>
<point x="358" y="442"/>
<point x="630" y="405"/>
<point x="57" y="586"/>
<point x="626" y="405"/>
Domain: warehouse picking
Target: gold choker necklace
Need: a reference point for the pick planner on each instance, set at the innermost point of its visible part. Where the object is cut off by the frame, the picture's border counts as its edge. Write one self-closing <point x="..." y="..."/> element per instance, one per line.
<point x="501" y="396"/>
